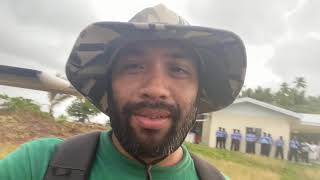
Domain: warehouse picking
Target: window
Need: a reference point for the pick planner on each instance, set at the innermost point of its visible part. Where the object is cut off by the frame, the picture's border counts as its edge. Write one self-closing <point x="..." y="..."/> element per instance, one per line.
<point x="257" y="131"/>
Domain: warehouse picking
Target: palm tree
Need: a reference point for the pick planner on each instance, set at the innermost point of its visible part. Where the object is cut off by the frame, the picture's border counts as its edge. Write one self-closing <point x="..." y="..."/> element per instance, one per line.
<point x="284" y="88"/>
<point x="246" y="92"/>
<point x="299" y="90"/>
<point x="300" y="82"/>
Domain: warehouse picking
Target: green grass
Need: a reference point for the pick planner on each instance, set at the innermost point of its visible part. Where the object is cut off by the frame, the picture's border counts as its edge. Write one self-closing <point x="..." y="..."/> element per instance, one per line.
<point x="243" y="166"/>
<point x="240" y="166"/>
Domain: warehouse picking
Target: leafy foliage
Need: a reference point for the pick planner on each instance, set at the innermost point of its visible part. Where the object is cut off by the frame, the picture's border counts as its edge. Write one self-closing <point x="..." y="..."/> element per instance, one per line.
<point x="62" y="119"/>
<point x="15" y="104"/>
<point x="289" y="96"/>
<point x="81" y="108"/>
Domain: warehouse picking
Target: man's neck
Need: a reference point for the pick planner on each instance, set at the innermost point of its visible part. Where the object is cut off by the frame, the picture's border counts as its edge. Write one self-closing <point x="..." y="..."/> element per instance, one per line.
<point x="171" y="160"/>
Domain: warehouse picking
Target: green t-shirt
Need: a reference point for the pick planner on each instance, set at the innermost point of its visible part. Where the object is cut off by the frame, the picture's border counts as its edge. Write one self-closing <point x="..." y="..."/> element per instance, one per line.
<point x="31" y="160"/>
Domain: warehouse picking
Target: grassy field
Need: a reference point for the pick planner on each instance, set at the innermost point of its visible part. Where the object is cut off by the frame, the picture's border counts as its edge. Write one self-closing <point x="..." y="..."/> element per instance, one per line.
<point x="239" y="166"/>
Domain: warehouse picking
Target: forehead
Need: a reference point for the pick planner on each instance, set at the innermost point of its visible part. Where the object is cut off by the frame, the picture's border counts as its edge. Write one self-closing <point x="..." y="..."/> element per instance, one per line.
<point x="168" y="48"/>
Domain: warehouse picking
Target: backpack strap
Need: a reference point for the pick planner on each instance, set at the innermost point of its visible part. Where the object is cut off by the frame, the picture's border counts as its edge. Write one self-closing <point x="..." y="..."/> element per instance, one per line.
<point x="73" y="158"/>
<point x="206" y="171"/>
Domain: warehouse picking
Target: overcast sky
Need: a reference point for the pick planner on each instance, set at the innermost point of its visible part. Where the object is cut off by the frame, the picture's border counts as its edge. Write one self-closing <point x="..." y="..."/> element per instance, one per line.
<point x="282" y="38"/>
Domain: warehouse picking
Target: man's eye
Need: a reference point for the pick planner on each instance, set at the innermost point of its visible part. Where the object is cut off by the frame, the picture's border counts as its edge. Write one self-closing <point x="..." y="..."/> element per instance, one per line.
<point x="133" y="68"/>
<point x="179" y="71"/>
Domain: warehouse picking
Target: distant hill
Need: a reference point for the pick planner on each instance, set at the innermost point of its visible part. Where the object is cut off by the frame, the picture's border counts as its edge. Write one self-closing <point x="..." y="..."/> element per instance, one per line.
<point x="19" y="127"/>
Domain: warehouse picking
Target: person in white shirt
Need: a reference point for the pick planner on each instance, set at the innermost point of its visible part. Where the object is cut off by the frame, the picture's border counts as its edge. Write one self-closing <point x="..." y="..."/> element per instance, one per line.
<point x="313" y="154"/>
<point x="318" y="151"/>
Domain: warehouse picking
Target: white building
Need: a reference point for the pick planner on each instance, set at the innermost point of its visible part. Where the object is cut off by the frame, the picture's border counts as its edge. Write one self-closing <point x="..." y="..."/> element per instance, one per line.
<point x="247" y="113"/>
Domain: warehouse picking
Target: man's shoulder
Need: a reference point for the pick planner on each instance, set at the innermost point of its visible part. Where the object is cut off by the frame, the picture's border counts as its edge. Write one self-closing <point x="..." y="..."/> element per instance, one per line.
<point x="38" y="144"/>
<point x="38" y="149"/>
<point x="30" y="159"/>
<point x="43" y="143"/>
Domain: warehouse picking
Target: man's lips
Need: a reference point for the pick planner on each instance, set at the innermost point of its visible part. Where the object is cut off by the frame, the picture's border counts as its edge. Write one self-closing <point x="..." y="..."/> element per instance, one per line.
<point x="151" y="118"/>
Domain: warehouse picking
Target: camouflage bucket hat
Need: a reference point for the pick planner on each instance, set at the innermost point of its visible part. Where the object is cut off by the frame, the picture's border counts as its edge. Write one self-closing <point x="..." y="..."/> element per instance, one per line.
<point x="222" y="55"/>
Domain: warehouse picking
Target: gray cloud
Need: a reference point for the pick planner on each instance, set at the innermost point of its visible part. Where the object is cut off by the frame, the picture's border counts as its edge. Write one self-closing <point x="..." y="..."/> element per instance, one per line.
<point x="41" y="32"/>
<point x="298" y="58"/>
<point x="306" y="19"/>
<point x="264" y="22"/>
<point x="69" y="15"/>
<point x="256" y="21"/>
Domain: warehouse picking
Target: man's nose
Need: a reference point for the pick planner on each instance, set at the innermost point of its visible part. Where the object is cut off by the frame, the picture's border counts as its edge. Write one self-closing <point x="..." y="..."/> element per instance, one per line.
<point x="156" y="85"/>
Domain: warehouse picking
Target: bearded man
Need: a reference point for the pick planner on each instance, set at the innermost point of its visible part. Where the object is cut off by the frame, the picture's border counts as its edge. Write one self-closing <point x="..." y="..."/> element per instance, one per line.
<point x="151" y="76"/>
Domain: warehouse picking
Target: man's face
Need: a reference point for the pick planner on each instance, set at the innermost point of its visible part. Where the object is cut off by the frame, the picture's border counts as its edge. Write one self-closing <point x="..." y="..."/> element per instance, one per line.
<point x="155" y="87"/>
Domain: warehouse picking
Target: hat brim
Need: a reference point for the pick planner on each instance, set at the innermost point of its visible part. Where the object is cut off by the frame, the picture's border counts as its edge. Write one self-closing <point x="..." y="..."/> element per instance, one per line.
<point x="222" y="55"/>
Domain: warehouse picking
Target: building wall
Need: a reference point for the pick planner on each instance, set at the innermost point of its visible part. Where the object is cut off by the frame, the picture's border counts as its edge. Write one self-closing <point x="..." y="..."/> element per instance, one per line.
<point x="206" y="132"/>
<point x="190" y="138"/>
<point x="242" y="115"/>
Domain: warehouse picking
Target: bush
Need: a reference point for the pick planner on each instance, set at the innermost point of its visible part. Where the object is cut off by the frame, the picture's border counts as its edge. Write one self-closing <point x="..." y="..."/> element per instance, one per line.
<point x="18" y="104"/>
<point x="62" y="119"/>
<point x="82" y="109"/>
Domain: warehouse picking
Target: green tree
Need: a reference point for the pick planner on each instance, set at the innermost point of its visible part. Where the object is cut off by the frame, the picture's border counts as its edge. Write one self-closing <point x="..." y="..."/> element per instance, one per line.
<point x="4" y="96"/>
<point x="82" y="109"/>
<point x="300" y="82"/>
<point x="298" y="91"/>
<point x="289" y="96"/>
<point x="16" y="104"/>
<point x="246" y="93"/>
<point x="298" y="96"/>
<point x="20" y="103"/>
<point x="261" y="94"/>
<point x="284" y="88"/>
<point x="284" y="96"/>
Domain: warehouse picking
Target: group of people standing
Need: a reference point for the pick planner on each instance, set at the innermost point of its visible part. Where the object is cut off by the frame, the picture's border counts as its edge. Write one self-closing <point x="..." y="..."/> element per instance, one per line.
<point x="266" y="141"/>
<point x="303" y="151"/>
<point x="221" y="138"/>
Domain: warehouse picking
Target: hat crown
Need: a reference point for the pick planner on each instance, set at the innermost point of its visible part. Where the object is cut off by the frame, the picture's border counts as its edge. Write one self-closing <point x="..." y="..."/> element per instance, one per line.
<point x="158" y="14"/>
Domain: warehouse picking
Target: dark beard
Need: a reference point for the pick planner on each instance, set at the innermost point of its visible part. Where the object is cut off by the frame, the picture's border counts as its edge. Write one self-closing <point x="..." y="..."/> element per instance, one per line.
<point x="169" y="143"/>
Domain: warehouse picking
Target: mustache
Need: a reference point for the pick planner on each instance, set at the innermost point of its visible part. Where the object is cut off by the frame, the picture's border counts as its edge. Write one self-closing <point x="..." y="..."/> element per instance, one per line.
<point x="132" y="107"/>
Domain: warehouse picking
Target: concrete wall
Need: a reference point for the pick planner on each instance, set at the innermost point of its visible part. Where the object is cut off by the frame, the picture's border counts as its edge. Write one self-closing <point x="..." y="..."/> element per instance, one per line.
<point x="242" y="115"/>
